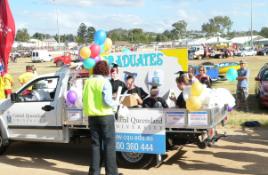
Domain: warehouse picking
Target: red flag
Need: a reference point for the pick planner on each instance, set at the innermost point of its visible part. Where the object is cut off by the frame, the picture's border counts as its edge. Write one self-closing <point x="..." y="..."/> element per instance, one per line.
<point x="7" y="32"/>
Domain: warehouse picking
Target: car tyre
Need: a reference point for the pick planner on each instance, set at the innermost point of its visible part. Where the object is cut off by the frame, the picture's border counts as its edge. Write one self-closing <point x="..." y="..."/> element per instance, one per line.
<point x="135" y="160"/>
<point x="2" y="144"/>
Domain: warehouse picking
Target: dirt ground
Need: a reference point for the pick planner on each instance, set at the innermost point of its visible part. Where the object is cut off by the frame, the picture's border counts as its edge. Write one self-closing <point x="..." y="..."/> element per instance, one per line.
<point x="242" y="152"/>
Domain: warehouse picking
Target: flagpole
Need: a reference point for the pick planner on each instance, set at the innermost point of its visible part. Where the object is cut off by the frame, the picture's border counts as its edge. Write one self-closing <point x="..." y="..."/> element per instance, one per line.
<point x="58" y="28"/>
<point x="251" y="30"/>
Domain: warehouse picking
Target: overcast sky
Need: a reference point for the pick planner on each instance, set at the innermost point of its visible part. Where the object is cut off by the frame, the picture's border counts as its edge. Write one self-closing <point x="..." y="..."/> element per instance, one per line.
<point x="150" y="15"/>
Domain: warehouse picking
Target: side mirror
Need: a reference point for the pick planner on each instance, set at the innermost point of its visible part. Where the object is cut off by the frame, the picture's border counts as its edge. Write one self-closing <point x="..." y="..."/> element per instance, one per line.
<point x="13" y="97"/>
<point x="257" y="79"/>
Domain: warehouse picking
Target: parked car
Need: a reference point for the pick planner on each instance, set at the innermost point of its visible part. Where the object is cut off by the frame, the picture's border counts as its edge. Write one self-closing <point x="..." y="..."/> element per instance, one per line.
<point x="263" y="51"/>
<point x="222" y="53"/>
<point x="190" y="54"/>
<point x="199" y="51"/>
<point x="246" y="52"/>
<point x="63" y="60"/>
<point x="41" y="56"/>
<point x="261" y="88"/>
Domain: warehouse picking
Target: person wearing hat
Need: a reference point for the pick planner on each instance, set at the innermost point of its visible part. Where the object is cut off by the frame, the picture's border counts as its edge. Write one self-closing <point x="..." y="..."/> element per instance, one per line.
<point x="242" y="86"/>
<point x="115" y="82"/>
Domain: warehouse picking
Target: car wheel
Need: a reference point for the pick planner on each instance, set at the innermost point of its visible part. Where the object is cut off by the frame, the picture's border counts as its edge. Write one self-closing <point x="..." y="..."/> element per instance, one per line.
<point x="59" y="63"/>
<point x="135" y="160"/>
<point x="2" y="145"/>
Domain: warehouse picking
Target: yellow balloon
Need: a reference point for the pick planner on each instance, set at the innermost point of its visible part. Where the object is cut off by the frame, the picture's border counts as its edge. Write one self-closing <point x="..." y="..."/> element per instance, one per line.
<point x="197" y="88"/>
<point x="108" y="44"/>
<point x="85" y="52"/>
<point x="193" y="103"/>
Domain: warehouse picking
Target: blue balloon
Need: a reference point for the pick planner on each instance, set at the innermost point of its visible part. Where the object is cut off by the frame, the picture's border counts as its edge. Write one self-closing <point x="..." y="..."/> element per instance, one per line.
<point x="100" y="37"/>
<point x="89" y="63"/>
<point x="231" y="74"/>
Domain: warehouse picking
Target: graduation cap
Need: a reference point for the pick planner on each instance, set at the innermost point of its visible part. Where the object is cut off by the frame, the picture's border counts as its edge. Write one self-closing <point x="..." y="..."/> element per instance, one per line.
<point x="114" y="65"/>
<point x="130" y="74"/>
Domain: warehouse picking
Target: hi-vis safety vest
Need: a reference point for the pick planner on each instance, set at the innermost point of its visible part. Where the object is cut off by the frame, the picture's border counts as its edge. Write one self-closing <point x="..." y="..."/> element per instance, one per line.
<point x="8" y="81"/>
<point x="93" y="98"/>
<point x="2" y="88"/>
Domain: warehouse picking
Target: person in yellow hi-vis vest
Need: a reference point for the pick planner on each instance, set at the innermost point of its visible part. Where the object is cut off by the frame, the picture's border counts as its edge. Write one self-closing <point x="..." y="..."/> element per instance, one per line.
<point x="26" y="77"/>
<point x="98" y="105"/>
<point x="2" y="87"/>
<point x="8" y="84"/>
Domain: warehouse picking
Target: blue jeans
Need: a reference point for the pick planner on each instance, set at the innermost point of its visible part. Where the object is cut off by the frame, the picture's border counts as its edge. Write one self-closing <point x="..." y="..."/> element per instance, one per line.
<point x="102" y="131"/>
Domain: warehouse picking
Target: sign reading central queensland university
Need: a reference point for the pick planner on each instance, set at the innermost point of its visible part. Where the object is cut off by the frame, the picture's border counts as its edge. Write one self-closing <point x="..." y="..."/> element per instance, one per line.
<point x="141" y="131"/>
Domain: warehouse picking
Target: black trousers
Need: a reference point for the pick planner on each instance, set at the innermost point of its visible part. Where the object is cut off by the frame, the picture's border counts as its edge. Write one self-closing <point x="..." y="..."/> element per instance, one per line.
<point x="102" y="145"/>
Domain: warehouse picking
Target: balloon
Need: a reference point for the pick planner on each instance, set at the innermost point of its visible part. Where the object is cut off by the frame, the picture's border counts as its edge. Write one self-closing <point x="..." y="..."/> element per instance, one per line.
<point x="85" y="52"/>
<point x="197" y="88"/>
<point x="231" y="74"/>
<point x="78" y="90"/>
<point x="95" y="50"/>
<point x="100" y="37"/>
<point x="102" y="50"/>
<point x="71" y="97"/>
<point x="108" y="44"/>
<point x="193" y="103"/>
<point x="98" y="58"/>
<point x="229" y="108"/>
<point x="89" y="63"/>
<point x="186" y="92"/>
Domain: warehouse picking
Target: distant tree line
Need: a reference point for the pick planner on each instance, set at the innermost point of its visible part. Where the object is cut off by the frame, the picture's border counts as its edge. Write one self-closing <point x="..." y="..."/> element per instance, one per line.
<point x="218" y="25"/>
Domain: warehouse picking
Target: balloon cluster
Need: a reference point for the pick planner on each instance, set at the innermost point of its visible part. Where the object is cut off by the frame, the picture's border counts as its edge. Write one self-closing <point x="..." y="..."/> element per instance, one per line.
<point x="193" y="102"/>
<point x="92" y="54"/>
<point x="198" y="97"/>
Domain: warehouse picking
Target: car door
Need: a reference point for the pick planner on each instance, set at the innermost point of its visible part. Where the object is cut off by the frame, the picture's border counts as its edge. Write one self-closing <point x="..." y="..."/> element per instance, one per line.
<point x="33" y="115"/>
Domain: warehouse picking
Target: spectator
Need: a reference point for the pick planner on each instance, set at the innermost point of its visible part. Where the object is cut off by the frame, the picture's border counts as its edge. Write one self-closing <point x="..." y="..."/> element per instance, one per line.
<point x="203" y="77"/>
<point x="26" y="77"/>
<point x="242" y="86"/>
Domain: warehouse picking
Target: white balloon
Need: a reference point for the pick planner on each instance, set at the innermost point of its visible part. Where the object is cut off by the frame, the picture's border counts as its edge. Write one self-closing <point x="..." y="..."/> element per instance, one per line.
<point x="186" y="92"/>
